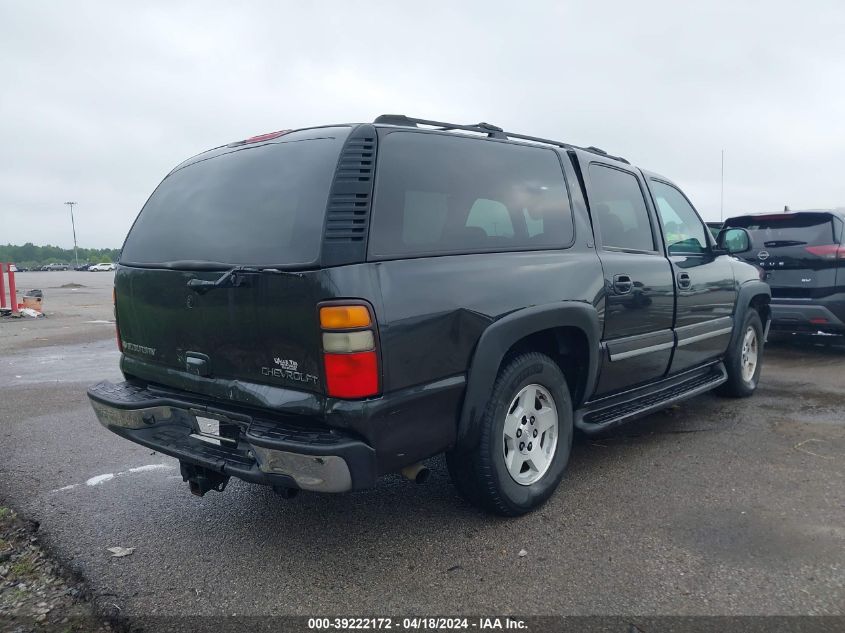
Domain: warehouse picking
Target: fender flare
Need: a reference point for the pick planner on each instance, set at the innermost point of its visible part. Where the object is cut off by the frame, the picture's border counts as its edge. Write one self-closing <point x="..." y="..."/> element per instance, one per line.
<point x="747" y="292"/>
<point x="500" y="336"/>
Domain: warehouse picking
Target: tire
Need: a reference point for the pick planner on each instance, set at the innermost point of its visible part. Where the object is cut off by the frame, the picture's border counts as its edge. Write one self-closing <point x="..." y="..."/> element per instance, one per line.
<point x="742" y="381"/>
<point x="501" y="474"/>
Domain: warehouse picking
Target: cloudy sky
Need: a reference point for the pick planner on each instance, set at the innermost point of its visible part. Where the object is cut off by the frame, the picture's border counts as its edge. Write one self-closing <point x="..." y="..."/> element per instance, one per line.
<point x="98" y="100"/>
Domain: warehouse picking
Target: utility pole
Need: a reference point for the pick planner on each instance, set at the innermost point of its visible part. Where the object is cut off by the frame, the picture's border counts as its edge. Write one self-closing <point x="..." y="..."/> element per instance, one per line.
<point x="722" y="191"/>
<point x="75" y="253"/>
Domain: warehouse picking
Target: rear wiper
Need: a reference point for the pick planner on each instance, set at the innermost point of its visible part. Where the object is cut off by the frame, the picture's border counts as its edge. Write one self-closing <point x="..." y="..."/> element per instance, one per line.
<point x="776" y="243"/>
<point x="233" y="278"/>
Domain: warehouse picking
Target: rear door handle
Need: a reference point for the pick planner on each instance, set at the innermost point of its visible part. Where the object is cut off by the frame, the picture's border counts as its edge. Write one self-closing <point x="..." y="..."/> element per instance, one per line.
<point x="684" y="280"/>
<point x="622" y="284"/>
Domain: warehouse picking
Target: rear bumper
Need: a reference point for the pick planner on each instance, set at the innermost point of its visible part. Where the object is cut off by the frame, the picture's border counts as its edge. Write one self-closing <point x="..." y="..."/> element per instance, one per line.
<point x="277" y="452"/>
<point x="827" y="314"/>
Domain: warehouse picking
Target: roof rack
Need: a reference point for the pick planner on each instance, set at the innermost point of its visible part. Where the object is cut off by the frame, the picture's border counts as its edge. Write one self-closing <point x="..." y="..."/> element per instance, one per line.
<point x="492" y="131"/>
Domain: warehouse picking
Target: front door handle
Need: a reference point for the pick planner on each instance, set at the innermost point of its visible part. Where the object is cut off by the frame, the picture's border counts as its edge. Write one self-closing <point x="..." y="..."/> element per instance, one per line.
<point x="684" y="280"/>
<point x="622" y="284"/>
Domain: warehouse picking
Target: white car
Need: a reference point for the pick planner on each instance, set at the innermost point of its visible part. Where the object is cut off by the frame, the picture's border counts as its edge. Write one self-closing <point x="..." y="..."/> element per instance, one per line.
<point x="103" y="266"/>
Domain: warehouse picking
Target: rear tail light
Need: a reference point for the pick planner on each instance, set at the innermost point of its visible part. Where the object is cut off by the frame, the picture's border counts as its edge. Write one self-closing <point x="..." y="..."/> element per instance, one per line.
<point x="344" y="317"/>
<point x="114" y="312"/>
<point x="828" y="251"/>
<point x="348" y="342"/>
<point x="352" y="375"/>
<point x="349" y="351"/>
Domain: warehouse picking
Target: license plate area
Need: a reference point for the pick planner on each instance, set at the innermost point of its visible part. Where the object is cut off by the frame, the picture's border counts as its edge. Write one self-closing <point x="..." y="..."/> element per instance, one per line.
<point x="215" y="430"/>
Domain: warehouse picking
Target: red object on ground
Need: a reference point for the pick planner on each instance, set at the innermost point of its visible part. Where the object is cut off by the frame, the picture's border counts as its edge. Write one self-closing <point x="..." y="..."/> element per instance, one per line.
<point x="13" y="293"/>
<point x="2" y="285"/>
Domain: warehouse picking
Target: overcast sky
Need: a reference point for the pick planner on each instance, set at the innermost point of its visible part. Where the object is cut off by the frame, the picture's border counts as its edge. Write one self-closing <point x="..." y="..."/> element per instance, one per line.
<point x="98" y="100"/>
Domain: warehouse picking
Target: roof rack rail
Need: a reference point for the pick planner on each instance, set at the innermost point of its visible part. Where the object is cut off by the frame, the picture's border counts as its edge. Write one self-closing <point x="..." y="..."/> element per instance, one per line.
<point x="492" y="131"/>
<point x="400" y="119"/>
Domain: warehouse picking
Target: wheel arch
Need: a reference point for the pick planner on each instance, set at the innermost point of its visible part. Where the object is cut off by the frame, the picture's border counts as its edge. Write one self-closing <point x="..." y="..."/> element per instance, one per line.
<point x="754" y="295"/>
<point x="524" y="330"/>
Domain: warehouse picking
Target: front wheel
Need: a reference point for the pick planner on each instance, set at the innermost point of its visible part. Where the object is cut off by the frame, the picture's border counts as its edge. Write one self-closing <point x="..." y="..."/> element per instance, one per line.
<point x="525" y="439"/>
<point x="745" y="359"/>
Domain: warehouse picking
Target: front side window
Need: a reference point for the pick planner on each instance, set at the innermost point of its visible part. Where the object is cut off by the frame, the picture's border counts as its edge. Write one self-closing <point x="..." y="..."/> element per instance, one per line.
<point x="682" y="228"/>
<point x="442" y="194"/>
<point x="618" y="207"/>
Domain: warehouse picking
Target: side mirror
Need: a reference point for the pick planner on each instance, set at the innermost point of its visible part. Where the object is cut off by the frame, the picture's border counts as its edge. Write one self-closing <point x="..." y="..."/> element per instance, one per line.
<point x="733" y="241"/>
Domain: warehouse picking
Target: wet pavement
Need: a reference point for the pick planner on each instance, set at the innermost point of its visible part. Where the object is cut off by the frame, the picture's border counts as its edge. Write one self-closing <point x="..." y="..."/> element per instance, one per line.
<point x="714" y="506"/>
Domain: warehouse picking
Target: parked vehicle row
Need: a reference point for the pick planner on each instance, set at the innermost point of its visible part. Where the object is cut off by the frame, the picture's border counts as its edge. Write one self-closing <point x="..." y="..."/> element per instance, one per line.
<point x="82" y="267"/>
<point x="392" y="290"/>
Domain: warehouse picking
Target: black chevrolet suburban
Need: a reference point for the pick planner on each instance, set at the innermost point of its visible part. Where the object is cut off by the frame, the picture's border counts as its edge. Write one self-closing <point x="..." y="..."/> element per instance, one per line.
<point x="312" y="309"/>
<point x="803" y="254"/>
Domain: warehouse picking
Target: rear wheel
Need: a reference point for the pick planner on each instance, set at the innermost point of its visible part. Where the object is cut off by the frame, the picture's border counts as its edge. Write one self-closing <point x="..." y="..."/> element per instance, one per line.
<point x="745" y="359"/>
<point x="525" y="439"/>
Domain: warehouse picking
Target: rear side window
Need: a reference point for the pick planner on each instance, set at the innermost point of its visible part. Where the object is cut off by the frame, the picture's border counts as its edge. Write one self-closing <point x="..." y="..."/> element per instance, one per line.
<point x="804" y="229"/>
<point x="440" y="194"/>
<point x="618" y="206"/>
<point x="252" y="205"/>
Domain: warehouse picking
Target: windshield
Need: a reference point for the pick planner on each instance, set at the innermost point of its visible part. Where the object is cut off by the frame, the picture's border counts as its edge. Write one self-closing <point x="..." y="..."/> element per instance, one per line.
<point x="257" y="205"/>
<point x="812" y="229"/>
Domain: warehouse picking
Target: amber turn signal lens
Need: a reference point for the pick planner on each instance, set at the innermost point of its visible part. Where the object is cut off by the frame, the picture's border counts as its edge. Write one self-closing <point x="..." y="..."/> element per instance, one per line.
<point x="343" y="317"/>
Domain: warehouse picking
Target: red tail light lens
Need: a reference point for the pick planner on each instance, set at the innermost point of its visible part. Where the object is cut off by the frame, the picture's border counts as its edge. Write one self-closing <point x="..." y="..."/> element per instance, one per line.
<point x="828" y="251"/>
<point x="352" y="375"/>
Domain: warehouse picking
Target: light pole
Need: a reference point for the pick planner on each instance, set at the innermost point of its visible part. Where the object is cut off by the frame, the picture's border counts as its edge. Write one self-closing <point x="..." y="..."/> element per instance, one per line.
<point x="75" y="253"/>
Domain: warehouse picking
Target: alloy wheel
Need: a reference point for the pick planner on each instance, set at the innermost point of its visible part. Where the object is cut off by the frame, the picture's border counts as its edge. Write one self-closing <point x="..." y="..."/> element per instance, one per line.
<point x="530" y="434"/>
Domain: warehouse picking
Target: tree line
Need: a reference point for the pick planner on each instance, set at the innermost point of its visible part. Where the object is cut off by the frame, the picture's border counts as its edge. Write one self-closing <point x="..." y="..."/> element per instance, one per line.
<point x="29" y="255"/>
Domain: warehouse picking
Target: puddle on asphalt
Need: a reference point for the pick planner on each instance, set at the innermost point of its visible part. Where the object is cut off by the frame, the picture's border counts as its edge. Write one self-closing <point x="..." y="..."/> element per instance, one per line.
<point x="87" y="362"/>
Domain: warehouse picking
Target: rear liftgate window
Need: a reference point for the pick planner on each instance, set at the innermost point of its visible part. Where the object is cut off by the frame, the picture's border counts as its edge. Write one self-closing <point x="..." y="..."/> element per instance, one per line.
<point x="807" y="229"/>
<point x="260" y="205"/>
<point x="439" y="194"/>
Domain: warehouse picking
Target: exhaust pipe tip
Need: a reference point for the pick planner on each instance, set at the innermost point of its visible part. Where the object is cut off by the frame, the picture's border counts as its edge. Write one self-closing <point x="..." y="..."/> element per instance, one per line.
<point x="416" y="473"/>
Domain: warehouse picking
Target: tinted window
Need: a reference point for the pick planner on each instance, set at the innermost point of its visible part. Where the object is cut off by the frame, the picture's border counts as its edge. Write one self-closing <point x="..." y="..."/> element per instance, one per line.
<point x="438" y="193"/>
<point x="618" y="206"/>
<point x="258" y="205"/>
<point x="491" y="216"/>
<point x="682" y="228"/>
<point x="812" y="229"/>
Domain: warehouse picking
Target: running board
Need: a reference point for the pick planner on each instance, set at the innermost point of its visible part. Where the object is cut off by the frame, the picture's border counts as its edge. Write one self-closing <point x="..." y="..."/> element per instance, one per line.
<point x="605" y="413"/>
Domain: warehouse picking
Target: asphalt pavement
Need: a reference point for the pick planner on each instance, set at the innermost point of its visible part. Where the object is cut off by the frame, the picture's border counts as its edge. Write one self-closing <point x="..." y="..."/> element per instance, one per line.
<point x="713" y="507"/>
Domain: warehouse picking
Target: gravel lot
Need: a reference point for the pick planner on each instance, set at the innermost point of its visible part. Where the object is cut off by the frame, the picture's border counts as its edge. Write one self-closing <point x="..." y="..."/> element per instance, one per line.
<point x="714" y="507"/>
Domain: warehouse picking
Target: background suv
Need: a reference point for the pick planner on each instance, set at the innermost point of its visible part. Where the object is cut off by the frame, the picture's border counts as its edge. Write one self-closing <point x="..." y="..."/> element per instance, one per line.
<point x="804" y="259"/>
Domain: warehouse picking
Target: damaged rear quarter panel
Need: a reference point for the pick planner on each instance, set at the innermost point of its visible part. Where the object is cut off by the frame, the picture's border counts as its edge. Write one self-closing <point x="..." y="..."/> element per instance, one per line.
<point x="438" y="307"/>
